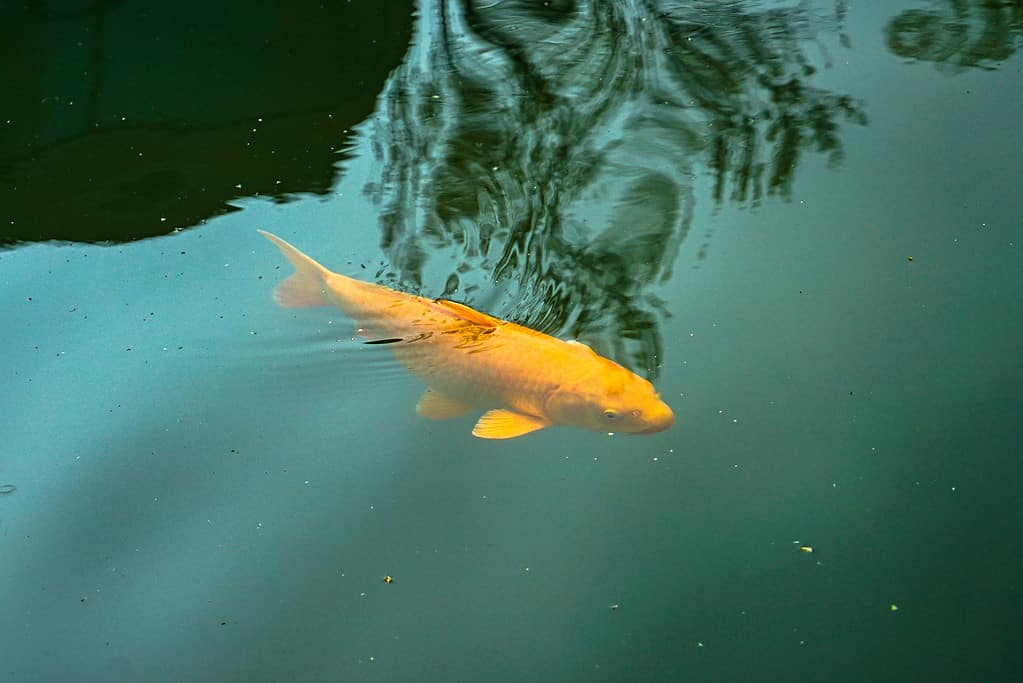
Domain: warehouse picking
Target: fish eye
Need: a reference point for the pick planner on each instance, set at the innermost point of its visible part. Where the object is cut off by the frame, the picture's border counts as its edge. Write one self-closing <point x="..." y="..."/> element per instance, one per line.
<point x="610" y="414"/>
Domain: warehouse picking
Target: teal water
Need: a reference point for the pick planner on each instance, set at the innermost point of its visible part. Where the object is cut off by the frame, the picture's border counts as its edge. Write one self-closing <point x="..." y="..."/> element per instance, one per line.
<point x="801" y="220"/>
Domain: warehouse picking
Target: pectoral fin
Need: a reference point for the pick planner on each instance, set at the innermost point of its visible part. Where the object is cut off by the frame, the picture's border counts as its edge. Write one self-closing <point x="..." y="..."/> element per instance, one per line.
<point x="437" y="406"/>
<point x="505" y="424"/>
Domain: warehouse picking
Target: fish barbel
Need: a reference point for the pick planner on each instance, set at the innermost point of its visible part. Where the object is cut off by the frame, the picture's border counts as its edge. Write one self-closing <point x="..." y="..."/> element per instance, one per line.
<point x="525" y="380"/>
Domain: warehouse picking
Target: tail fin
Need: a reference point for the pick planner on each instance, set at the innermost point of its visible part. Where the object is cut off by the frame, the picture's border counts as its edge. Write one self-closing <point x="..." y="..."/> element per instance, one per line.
<point x="307" y="287"/>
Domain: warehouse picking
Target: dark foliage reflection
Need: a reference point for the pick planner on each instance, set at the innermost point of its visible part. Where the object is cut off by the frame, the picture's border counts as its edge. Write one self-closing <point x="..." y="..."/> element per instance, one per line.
<point x="553" y="148"/>
<point x="959" y="34"/>
<point x="127" y="120"/>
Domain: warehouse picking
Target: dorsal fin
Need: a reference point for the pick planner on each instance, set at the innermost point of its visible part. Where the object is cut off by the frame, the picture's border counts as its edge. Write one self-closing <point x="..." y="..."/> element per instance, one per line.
<point x="581" y="345"/>
<point x="470" y="314"/>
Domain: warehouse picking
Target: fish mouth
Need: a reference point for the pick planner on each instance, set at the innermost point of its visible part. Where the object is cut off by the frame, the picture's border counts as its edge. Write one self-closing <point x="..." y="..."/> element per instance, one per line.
<point x="652" y="430"/>
<point x="658" y="426"/>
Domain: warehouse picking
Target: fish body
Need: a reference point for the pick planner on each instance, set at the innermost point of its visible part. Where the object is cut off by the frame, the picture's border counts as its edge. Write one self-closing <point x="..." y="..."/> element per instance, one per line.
<point x="526" y="380"/>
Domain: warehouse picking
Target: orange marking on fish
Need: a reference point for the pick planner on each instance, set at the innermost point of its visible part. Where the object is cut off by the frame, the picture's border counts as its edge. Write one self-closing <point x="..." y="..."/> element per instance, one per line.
<point x="526" y="380"/>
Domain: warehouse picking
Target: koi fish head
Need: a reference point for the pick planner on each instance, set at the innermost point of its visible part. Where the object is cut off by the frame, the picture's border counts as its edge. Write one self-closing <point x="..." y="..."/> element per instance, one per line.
<point x="613" y="400"/>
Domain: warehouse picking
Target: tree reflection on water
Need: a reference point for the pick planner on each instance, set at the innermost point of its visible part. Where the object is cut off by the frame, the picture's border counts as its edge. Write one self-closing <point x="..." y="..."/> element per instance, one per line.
<point x="553" y="149"/>
<point x="959" y="34"/>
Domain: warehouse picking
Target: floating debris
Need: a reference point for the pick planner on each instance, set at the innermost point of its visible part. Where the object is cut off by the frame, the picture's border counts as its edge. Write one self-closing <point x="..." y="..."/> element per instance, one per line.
<point x="388" y="579"/>
<point x="806" y="548"/>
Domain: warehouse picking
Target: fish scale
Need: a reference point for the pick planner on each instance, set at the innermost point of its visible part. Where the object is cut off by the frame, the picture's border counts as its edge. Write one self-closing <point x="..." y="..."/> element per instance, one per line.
<point x="509" y="374"/>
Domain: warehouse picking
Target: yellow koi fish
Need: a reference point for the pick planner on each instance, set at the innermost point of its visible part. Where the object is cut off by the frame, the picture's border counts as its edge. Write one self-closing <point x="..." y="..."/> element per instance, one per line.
<point x="524" y="379"/>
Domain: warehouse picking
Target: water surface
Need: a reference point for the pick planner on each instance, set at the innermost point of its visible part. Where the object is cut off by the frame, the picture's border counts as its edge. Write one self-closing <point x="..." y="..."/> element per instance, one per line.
<point x="800" y="220"/>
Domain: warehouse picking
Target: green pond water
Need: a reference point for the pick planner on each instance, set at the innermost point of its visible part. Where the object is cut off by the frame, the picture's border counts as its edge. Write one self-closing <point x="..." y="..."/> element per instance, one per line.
<point x="802" y="221"/>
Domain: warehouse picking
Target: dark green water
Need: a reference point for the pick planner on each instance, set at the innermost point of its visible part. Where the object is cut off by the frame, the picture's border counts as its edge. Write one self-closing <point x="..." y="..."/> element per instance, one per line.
<point x="801" y="220"/>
